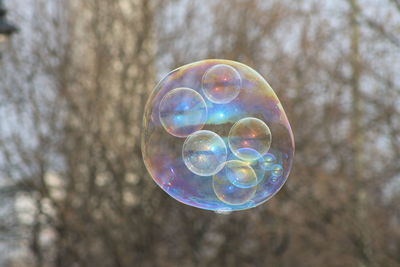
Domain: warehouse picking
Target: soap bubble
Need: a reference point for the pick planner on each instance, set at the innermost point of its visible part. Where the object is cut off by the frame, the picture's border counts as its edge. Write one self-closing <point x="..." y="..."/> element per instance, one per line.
<point x="277" y="170"/>
<point x="249" y="133"/>
<point x="257" y="165"/>
<point x="182" y="112"/>
<point x="268" y="161"/>
<point x="220" y="150"/>
<point x="274" y="179"/>
<point x="221" y="84"/>
<point x="241" y="173"/>
<point x="204" y="153"/>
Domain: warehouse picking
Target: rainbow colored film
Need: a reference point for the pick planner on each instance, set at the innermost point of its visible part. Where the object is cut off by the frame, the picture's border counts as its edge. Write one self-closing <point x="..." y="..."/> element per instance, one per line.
<point x="215" y="136"/>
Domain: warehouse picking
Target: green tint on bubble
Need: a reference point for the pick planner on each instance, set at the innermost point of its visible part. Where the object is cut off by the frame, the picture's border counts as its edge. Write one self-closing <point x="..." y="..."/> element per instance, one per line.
<point x="241" y="173"/>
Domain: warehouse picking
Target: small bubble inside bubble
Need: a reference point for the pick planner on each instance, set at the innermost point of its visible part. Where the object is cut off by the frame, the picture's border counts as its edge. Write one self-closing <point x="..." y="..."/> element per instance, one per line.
<point x="221" y="84"/>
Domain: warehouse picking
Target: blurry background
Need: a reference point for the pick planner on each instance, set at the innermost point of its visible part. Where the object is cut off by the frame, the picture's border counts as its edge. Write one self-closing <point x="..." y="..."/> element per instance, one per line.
<point x="73" y="83"/>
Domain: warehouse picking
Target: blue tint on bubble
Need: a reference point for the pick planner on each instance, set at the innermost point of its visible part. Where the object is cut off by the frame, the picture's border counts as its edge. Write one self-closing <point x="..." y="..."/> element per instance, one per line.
<point x="221" y="114"/>
<point x="182" y="112"/>
<point x="204" y="153"/>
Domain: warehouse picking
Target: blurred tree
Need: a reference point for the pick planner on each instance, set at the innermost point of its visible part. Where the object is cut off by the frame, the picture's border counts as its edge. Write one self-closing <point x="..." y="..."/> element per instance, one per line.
<point x="71" y="102"/>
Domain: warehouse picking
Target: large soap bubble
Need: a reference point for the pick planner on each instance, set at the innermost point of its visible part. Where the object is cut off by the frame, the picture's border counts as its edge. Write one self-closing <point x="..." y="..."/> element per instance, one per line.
<point x="215" y="136"/>
<point x="204" y="153"/>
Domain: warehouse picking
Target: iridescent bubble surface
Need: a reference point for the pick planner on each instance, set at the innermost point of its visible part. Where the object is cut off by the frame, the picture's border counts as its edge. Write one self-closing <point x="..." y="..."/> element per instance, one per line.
<point x="249" y="133"/>
<point x="221" y="83"/>
<point x="204" y="153"/>
<point x="243" y="175"/>
<point x="182" y="112"/>
<point x="220" y="150"/>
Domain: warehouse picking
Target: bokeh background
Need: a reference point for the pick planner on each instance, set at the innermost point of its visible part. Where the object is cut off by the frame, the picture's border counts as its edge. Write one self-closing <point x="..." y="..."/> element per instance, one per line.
<point x="73" y="84"/>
